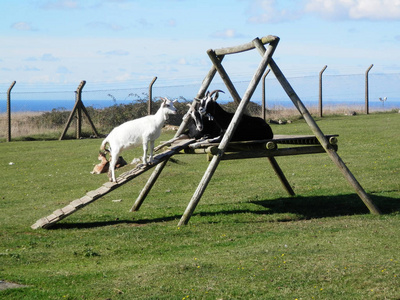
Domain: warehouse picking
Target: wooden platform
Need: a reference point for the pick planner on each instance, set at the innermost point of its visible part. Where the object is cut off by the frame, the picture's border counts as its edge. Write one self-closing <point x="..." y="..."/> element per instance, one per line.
<point x="301" y="144"/>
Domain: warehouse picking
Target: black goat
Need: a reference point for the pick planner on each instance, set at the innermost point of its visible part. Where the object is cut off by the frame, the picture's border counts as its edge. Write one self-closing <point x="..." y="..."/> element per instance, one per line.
<point x="249" y="128"/>
<point x="202" y="127"/>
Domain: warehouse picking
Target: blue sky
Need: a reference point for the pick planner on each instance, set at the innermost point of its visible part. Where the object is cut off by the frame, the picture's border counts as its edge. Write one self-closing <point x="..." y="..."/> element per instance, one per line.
<point x="58" y="42"/>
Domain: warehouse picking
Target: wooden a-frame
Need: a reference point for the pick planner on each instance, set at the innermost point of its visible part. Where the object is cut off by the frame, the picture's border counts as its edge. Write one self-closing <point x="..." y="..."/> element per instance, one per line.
<point x="216" y="57"/>
<point x="218" y="151"/>
<point x="78" y="108"/>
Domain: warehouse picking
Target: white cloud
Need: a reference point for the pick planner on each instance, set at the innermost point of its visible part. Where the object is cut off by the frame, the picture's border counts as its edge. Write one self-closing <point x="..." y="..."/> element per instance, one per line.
<point x="49" y="57"/>
<point x="63" y="70"/>
<point x="115" y="52"/>
<point x="355" y="9"/>
<point x="270" y="11"/>
<point x="227" y="33"/>
<point x="182" y="61"/>
<point x="61" y="4"/>
<point x="31" y="58"/>
<point x="104" y="25"/>
<point x="274" y="11"/>
<point x="44" y="57"/>
<point x="171" y="22"/>
<point x="29" y="69"/>
<point x="22" y="26"/>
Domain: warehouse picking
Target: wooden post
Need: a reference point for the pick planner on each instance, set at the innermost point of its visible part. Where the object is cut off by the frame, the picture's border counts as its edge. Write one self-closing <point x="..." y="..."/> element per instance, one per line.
<point x="233" y="124"/>
<point x="366" y="90"/>
<point x="322" y="139"/>
<point x="9" y="111"/>
<point x="78" y="123"/>
<point x="217" y="63"/>
<point x="281" y="176"/>
<point x="149" y="184"/>
<point x="320" y="90"/>
<point x="150" y="103"/>
<point x="89" y="119"/>
<point x="78" y="108"/>
<point x="264" y="104"/>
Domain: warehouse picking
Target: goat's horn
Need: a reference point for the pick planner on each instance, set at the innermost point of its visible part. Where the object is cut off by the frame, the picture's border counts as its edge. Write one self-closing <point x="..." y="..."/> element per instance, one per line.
<point x="216" y="96"/>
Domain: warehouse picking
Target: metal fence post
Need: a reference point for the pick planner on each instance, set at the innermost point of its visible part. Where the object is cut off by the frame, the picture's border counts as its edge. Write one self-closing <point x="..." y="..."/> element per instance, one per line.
<point x="366" y="90"/>
<point x="320" y="90"/>
<point x="9" y="111"/>
<point x="264" y="104"/>
<point x="149" y="104"/>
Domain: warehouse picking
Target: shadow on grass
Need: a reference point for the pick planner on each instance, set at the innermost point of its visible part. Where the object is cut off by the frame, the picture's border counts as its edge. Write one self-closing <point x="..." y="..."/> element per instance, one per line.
<point x="328" y="206"/>
<point x="295" y="208"/>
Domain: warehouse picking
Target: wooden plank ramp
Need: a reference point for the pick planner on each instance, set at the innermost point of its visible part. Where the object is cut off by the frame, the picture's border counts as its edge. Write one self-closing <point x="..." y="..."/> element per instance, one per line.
<point x="107" y="187"/>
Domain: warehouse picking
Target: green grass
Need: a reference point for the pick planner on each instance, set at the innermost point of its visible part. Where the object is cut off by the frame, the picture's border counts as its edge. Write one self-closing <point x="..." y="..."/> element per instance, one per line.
<point x="246" y="240"/>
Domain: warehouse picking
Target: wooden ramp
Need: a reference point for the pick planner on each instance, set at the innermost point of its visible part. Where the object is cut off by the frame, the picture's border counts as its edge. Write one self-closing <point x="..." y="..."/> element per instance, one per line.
<point x="107" y="187"/>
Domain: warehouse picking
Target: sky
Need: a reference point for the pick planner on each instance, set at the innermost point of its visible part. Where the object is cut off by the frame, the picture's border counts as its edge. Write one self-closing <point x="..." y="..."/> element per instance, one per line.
<point x="129" y="42"/>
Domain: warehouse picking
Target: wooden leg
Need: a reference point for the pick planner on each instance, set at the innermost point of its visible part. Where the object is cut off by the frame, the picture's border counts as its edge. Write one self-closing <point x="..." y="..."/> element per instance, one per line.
<point x="281" y="176"/>
<point x="150" y="182"/>
<point x="200" y="190"/>
<point x="323" y="140"/>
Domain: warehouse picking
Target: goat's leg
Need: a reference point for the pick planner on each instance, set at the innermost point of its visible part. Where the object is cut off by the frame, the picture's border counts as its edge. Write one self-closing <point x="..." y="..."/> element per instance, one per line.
<point x="145" y="143"/>
<point x="151" y="159"/>
<point x="113" y="162"/>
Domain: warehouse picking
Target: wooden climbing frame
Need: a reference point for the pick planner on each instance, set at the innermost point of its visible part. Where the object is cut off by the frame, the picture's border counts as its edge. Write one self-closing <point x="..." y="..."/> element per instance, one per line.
<point x="318" y="143"/>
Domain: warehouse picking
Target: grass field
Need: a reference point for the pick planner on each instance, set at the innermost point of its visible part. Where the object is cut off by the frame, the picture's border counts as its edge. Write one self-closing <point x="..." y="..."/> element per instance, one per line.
<point x="246" y="240"/>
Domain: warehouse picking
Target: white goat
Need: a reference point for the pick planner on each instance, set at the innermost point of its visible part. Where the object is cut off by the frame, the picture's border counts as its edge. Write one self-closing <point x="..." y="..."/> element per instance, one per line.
<point x="130" y="134"/>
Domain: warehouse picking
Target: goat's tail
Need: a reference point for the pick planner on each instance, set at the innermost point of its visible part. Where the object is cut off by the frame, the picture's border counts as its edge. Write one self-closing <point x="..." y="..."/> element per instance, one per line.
<point x="103" y="148"/>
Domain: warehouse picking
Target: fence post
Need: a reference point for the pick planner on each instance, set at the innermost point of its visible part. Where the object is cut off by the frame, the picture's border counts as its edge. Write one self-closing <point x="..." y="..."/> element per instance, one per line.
<point x="264" y="104"/>
<point x="9" y="111"/>
<point x="149" y="104"/>
<point x="366" y="90"/>
<point x="79" y="109"/>
<point x="320" y="90"/>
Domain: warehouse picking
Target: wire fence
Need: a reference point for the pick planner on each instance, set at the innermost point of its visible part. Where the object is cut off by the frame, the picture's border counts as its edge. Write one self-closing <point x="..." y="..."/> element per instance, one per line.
<point x="343" y="93"/>
<point x="337" y="90"/>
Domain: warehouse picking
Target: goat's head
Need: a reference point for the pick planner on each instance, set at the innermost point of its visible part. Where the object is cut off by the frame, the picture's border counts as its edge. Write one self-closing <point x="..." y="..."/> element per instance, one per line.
<point x="168" y="105"/>
<point x="207" y="103"/>
<point x="198" y="120"/>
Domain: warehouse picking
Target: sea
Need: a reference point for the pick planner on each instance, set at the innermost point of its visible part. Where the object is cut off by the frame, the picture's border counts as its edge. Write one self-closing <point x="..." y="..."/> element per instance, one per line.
<point x="49" y="105"/>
